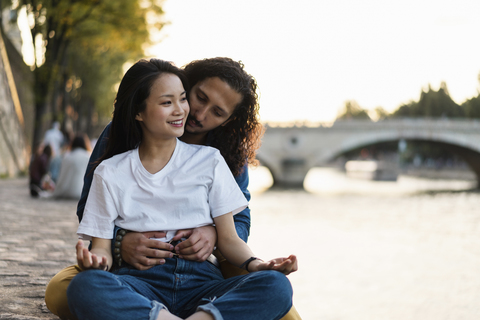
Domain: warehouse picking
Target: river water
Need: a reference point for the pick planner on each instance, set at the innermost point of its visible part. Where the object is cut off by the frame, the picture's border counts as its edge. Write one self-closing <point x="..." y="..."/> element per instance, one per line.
<point x="373" y="250"/>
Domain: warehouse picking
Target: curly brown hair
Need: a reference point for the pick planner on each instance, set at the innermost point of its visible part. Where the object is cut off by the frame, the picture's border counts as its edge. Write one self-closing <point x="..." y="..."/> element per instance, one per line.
<point x="239" y="140"/>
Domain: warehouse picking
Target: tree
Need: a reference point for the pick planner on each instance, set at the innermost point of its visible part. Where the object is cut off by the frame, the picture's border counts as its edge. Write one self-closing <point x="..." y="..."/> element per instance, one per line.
<point x="379" y="113"/>
<point x="433" y="104"/>
<point x="352" y="110"/>
<point x="471" y="107"/>
<point x="83" y="45"/>
<point x="98" y="58"/>
<point x="405" y="110"/>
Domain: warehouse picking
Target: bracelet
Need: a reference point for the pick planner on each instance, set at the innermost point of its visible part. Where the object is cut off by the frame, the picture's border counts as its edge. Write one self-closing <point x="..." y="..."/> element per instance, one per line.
<point x="117" y="252"/>
<point x="247" y="262"/>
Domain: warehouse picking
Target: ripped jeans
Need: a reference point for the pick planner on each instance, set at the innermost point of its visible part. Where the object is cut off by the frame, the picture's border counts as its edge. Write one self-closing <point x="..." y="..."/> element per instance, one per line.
<point x="183" y="287"/>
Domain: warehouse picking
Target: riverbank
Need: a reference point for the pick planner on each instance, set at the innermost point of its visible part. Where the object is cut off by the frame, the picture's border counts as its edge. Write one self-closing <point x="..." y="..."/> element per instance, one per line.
<point x="365" y="253"/>
<point x="37" y="239"/>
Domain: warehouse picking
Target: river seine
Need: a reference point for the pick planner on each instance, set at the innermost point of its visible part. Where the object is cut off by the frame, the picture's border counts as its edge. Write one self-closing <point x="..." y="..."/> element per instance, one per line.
<point x="373" y="250"/>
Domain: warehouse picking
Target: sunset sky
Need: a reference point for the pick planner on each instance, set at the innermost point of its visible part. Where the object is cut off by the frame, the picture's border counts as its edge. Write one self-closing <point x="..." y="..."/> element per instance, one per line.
<point x="309" y="57"/>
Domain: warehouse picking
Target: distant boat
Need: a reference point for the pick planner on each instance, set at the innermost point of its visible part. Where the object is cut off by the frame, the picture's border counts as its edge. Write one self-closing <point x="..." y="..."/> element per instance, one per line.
<point x="372" y="170"/>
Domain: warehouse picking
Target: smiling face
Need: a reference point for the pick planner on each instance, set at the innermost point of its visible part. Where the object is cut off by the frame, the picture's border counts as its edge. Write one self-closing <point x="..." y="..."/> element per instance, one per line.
<point x="166" y="109"/>
<point x="212" y="102"/>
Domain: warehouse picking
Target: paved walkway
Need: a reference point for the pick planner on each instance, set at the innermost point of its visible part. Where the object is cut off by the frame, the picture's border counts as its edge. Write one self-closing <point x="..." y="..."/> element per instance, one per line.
<point x="37" y="239"/>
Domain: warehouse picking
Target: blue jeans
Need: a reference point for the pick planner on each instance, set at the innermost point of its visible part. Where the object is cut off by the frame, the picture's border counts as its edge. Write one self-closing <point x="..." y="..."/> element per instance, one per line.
<point x="183" y="287"/>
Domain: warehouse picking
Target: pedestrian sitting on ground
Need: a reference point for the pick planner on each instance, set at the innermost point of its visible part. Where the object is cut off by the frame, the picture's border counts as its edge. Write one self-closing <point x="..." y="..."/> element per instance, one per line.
<point x="74" y="163"/>
<point x="150" y="180"/>
<point x="38" y="171"/>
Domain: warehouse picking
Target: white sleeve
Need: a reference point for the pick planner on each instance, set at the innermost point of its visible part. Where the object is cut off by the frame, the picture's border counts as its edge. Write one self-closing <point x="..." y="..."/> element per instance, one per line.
<point x="224" y="195"/>
<point x="100" y="212"/>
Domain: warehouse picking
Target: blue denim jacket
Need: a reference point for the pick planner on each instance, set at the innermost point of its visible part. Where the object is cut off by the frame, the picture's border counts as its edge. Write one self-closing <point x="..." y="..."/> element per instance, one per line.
<point x="242" y="219"/>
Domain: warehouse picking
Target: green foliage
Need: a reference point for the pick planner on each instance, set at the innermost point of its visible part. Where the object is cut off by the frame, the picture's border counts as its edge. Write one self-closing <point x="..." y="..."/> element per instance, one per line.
<point x="381" y="113"/>
<point x="113" y="35"/>
<point x="5" y="4"/>
<point x="472" y="108"/>
<point x="86" y="43"/>
<point x="432" y="104"/>
<point x="352" y="110"/>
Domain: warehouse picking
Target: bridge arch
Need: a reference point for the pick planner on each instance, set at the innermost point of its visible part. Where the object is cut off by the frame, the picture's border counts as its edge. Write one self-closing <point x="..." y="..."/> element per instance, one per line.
<point x="289" y="153"/>
<point x="366" y="140"/>
<point x="269" y="164"/>
<point x="469" y="152"/>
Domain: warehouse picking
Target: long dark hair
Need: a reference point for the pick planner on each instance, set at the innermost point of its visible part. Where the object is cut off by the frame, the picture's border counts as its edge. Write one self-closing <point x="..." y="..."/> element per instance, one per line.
<point x="239" y="140"/>
<point x="80" y="141"/>
<point x="126" y="132"/>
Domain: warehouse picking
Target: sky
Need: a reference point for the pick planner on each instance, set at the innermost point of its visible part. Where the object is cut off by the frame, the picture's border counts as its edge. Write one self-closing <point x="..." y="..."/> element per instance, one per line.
<point x="309" y="57"/>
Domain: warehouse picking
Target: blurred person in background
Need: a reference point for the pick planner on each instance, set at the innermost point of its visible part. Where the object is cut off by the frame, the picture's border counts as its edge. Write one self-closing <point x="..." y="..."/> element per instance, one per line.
<point x="38" y="170"/>
<point x="56" y="139"/>
<point x="74" y="163"/>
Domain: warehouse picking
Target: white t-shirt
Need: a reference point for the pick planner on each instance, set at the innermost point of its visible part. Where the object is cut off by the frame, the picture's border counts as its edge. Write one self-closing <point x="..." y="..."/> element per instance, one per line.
<point x="72" y="170"/>
<point x="194" y="187"/>
<point x="54" y="137"/>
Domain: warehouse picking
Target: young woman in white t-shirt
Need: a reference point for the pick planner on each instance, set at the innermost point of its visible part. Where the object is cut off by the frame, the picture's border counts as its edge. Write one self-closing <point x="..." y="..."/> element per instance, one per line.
<point x="149" y="180"/>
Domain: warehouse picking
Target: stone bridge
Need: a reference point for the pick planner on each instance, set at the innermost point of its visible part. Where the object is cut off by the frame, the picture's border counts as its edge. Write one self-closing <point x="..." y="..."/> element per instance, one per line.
<point x="289" y="153"/>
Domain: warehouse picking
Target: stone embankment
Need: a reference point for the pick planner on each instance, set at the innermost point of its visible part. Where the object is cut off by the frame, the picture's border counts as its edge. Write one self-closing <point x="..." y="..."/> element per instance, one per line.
<point x="37" y="239"/>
